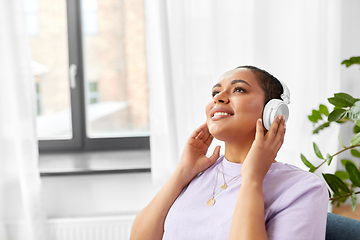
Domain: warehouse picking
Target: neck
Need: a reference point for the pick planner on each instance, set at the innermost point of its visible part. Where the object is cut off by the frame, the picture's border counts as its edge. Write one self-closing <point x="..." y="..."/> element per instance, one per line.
<point x="237" y="152"/>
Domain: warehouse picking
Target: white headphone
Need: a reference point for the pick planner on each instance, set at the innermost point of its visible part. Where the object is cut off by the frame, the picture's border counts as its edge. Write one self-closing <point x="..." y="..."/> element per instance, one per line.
<point x="277" y="107"/>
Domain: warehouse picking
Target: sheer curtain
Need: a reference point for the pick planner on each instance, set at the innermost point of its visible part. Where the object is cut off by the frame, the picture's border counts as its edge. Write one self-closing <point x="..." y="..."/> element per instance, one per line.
<point x="191" y="43"/>
<point x="21" y="216"/>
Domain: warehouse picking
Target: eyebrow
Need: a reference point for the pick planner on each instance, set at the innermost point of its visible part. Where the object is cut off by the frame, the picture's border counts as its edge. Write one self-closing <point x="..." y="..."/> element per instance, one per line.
<point x="233" y="82"/>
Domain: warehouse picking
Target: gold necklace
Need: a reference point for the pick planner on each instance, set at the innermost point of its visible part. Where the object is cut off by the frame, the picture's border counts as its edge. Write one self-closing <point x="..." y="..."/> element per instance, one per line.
<point x="211" y="201"/>
<point x="224" y="186"/>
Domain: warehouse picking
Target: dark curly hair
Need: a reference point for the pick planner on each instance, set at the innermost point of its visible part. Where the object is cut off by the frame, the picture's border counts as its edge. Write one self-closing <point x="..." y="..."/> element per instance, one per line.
<point x="269" y="84"/>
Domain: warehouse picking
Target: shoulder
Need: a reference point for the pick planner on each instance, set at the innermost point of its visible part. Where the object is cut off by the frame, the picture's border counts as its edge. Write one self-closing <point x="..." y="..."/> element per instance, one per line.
<point x="291" y="173"/>
<point x="295" y="197"/>
<point x="293" y="182"/>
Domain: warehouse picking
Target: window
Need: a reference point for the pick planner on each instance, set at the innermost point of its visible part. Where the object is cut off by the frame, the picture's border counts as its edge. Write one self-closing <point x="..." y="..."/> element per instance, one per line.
<point x="93" y="92"/>
<point x="89" y="13"/>
<point x="32" y="17"/>
<point x="90" y="69"/>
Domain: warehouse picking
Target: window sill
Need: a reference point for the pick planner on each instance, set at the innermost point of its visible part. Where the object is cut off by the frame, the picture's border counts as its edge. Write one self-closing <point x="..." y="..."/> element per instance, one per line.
<point x="94" y="162"/>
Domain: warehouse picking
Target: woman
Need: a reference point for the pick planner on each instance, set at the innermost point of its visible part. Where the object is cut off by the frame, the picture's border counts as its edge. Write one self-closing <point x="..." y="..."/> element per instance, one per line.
<point x="244" y="194"/>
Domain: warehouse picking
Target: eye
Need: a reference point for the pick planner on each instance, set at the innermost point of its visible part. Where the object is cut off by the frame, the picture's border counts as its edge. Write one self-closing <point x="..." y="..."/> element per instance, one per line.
<point x="214" y="93"/>
<point x="239" y="89"/>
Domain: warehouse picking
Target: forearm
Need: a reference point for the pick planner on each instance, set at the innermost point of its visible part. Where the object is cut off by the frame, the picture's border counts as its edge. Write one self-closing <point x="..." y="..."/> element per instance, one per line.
<point x="149" y="223"/>
<point x="249" y="216"/>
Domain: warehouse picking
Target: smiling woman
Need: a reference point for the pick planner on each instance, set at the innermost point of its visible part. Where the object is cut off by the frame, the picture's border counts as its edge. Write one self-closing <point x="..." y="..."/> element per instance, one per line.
<point x="226" y="197"/>
<point x="237" y="93"/>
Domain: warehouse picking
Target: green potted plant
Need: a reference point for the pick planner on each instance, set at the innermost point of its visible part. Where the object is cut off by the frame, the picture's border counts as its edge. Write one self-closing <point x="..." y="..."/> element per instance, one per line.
<point x="343" y="184"/>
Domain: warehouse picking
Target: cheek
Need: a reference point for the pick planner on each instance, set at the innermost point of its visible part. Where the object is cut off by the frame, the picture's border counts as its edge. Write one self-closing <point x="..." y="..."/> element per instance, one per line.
<point x="256" y="108"/>
<point x="208" y="108"/>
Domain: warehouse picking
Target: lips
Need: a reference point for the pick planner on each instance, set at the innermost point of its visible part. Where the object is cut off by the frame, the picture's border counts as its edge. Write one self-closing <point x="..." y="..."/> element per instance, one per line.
<point x="220" y="112"/>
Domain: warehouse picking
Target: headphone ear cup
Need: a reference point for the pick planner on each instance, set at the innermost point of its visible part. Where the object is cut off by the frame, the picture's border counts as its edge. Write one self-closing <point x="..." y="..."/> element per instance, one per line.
<point x="273" y="108"/>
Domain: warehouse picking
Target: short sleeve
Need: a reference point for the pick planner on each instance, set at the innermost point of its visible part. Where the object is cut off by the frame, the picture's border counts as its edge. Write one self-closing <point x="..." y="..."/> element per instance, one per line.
<point x="301" y="212"/>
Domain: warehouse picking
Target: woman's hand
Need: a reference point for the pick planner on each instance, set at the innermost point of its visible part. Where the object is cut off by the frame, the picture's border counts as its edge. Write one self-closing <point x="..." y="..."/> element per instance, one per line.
<point x="193" y="159"/>
<point x="264" y="149"/>
<point x="149" y="223"/>
<point x="249" y="213"/>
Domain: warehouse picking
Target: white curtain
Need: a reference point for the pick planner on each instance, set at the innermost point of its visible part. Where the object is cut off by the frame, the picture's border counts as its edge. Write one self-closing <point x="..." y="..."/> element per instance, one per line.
<point x="21" y="216"/>
<point x="191" y="43"/>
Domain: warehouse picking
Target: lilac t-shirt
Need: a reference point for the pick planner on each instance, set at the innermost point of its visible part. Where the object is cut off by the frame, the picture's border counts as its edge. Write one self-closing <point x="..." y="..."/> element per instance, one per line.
<point x="295" y="204"/>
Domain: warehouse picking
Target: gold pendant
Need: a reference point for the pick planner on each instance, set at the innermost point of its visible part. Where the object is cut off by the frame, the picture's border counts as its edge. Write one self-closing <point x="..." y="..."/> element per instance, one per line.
<point x="224" y="186"/>
<point x="211" y="202"/>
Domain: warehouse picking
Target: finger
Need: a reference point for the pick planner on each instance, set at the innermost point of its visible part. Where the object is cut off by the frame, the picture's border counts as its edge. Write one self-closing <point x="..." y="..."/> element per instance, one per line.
<point x="198" y="131"/>
<point x="274" y="127"/>
<point x="279" y="138"/>
<point x="281" y="131"/>
<point x="206" y="134"/>
<point x="209" y="140"/>
<point x="259" y="129"/>
<point x="215" y="154"/>
<point x="200" y="135"/>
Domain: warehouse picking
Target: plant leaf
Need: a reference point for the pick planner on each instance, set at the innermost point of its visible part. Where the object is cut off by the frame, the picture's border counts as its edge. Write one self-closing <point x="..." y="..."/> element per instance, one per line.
<point x="351" y="61"/>
<point x="346" y="98"/>
<point x="315" y="116"/>
<point x="356" y="128"/>
<point x="317" y="151"/>
<point x="337" y="102"/>
<point x="355" y="153"/>
<point x="323" y="110"/>
<point x="357" y="123"/>
<point x="336" y="115"/>
<point x="329" y="158"/>
<point x="355" y="140"/>
<point x="306" y="162"/>
<point x="353" y="201"/>
<point x="312" y="119"/>
<point x="335" y="183"/>
<point x="354" y="173"/>
<point x="342" y="175"/>
<point x="354" y="112"/>
<point x="344" y="161"/>
<point x="342" y="100"/>
<point x="321" y="127"/>
<point x="331" y="184"/>
<point x="340" y="140"/>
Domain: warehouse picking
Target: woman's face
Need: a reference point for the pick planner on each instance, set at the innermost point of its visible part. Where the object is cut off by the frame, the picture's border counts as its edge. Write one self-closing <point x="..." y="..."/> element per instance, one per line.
<point x="237" y="103"/>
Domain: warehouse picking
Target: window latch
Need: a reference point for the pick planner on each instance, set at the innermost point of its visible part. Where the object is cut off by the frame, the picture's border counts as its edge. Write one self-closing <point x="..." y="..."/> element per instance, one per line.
<point x="73" y="73"/>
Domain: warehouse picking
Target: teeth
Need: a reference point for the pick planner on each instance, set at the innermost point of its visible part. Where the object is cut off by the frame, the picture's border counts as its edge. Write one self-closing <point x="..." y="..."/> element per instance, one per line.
<point x="221" y="113"/>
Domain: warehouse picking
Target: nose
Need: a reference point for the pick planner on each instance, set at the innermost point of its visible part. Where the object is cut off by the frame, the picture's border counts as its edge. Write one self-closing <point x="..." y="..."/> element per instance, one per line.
<point x="221" y="98"/>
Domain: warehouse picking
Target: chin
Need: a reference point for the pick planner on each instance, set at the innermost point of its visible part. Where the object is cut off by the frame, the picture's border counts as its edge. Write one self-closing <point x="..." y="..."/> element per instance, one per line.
<point x="218" y="132"/>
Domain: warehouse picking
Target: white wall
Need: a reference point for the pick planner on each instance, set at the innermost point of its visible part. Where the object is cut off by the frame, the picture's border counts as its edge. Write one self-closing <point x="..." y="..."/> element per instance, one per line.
<point x="102" y="193"/>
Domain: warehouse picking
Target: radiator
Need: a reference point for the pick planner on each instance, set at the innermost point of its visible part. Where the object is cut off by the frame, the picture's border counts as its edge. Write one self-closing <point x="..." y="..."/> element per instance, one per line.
<point x="115" y="226"/>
